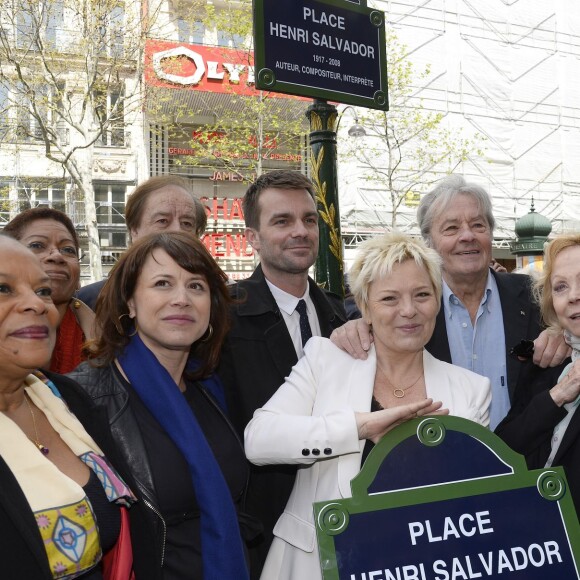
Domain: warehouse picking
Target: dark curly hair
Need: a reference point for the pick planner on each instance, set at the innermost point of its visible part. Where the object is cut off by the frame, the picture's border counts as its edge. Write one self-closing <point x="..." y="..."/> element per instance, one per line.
<point x="15" y="227"/>
<point x="112" y="305"/>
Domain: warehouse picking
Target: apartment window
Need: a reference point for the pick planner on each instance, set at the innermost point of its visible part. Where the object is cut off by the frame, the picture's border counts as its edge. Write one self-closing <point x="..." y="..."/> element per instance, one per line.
<point x="110" y="206"/>
<point x="38" y="24"/>
<point x="33" y="116"/>
<point x="5" y="203"/>
<point x="117" y="30"/>
<point x="227" y="39"/>
<point x="112" y="31"/>
<point x="25" y="27"/>
<point x="4" y="108"/>
<point x="54" y="17"/>
<point x="33" y="194"/>
<point x="190" y="32"/>
<point x="110" y="113"/>
<point x="29" y="119"/>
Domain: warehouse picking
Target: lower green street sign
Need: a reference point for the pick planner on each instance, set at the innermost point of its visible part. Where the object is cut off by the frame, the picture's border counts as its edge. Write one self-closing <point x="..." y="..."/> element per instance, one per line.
<point x="443" y="498"/>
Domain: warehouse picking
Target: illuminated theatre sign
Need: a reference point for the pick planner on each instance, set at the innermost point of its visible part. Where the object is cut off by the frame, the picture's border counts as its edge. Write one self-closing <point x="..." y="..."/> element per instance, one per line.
<point x="226" y="244"/>
<point x="327" y="49"/>
<point x="445" y="499"/>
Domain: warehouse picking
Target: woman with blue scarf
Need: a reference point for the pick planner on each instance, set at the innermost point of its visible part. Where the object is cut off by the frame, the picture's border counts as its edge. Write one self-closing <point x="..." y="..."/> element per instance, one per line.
<point x="544" y="425"/>
<point x="162" y="316"/>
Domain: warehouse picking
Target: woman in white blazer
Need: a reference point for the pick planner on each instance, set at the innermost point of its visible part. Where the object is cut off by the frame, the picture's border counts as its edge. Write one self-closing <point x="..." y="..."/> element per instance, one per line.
<point x="333" y="408"/>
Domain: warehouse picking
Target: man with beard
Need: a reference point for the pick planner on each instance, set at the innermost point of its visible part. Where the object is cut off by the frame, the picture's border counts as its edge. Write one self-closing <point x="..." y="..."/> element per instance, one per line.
<point x="268" y="330"/>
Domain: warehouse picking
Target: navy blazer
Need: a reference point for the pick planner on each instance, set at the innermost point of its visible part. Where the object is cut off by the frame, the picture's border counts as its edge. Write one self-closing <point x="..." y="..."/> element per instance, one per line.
<point x="256" y="358"/>
<point x="259" y="353"/>
<point x="89" y="293"/>
<point x="521" y="319"/>
<point x="529" y="426"/>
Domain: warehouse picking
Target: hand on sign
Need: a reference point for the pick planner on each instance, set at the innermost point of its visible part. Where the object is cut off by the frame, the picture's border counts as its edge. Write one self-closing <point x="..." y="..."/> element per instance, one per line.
<point x="375" y="424"/>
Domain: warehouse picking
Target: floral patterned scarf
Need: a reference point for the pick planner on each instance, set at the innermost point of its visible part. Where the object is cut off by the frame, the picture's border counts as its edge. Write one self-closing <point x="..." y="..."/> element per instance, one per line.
<point x="63" y="513"/>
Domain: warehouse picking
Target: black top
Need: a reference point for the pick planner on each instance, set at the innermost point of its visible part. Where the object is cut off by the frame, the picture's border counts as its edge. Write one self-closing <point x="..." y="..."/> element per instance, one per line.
<point x="255" y="360"/>
<point x="108" y="519"/>
<point x="106" y="513"/>
<point x="369" y="445"/>
<point x="174" y="488"/>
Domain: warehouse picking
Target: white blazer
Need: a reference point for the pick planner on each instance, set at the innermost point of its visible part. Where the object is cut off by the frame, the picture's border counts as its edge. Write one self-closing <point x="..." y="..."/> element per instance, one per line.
<point x="310" y="421"/>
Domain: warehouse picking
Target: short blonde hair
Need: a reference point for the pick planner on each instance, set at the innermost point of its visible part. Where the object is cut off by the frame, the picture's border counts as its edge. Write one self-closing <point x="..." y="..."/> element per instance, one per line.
<point x="377" y="256"/>
<point x="543" y="285"/>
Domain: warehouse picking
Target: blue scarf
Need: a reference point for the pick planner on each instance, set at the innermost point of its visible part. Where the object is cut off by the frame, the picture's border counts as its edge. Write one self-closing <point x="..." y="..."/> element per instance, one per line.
<point x="221" y="543"/>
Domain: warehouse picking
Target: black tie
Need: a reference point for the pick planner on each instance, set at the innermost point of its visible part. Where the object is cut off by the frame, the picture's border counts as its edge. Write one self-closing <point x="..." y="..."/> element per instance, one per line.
<point x="305" y="330"/>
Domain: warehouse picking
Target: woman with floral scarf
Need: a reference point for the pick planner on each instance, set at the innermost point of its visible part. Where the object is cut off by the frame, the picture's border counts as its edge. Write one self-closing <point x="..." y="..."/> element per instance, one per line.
<point x="60" y="513"/>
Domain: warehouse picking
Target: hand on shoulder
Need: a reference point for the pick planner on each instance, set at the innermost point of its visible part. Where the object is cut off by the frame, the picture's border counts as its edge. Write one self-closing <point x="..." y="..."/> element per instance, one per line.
<point x="354" y="337"/>
<point x="550" y="349"/>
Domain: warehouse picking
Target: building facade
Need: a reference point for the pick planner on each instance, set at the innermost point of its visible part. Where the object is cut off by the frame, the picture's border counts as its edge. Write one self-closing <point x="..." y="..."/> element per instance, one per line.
<point x="506" y="72"/>
<point x="180" y="99"/>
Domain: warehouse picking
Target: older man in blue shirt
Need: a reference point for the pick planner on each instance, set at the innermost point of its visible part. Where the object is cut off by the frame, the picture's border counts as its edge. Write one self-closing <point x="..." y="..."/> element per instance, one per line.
<point x="471" y="347"/>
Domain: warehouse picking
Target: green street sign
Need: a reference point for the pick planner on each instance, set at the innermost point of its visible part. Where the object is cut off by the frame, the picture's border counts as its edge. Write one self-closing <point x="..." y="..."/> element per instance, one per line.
<point x="443" y="498"/>
<point x="326" y="49"/>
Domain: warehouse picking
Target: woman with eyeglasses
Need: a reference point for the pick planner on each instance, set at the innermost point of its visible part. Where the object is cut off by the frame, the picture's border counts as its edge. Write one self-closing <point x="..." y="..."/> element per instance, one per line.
<point x="50" y="235"/>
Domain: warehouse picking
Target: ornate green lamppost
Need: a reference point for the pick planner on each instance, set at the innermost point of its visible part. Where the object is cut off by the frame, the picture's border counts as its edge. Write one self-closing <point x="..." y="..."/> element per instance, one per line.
<point x="329" y="264"/>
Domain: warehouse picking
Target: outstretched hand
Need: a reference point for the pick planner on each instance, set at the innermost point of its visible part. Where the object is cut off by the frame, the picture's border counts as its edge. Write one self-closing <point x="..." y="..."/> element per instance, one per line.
<point x="373" y="425"/>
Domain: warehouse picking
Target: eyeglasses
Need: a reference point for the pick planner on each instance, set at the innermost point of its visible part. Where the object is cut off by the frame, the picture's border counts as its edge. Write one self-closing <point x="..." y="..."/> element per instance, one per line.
<point x="67" y="252"/>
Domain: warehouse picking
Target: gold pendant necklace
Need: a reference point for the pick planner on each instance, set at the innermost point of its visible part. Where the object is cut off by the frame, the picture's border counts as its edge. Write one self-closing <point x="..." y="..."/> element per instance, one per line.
<point x="43" y="449"/>
<point x="398" y="392"/>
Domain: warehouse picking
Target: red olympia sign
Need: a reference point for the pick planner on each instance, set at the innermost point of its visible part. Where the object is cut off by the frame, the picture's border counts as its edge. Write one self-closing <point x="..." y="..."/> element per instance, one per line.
<point x="191" y="66"/>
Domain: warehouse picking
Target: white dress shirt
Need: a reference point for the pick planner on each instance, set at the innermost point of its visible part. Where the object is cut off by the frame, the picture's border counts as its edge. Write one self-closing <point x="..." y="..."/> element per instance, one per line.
<point x="287" y="305"/>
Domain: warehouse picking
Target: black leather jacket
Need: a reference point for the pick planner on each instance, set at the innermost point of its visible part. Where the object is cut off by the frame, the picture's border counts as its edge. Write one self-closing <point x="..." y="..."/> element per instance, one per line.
<point x="147" y="524"/>
<point x="107" y="391"/>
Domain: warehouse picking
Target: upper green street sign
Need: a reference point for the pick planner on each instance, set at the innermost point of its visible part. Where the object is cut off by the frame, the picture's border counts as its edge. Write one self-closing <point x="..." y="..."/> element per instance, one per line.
<point x="327" y="49"/>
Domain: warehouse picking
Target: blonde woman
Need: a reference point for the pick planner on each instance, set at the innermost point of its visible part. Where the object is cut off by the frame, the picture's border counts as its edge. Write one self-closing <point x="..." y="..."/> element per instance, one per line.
<point x="333" y="408"/>
<point x="544" y="424"/>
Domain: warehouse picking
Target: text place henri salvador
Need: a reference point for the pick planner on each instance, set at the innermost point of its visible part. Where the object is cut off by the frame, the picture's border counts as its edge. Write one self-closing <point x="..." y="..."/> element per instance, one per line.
<point x="466" y="567"/>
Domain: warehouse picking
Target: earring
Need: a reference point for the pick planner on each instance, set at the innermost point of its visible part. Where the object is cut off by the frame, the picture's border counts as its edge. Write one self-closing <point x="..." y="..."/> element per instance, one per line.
<point x="209" y="333"/>
<point x="119" y="326"/>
